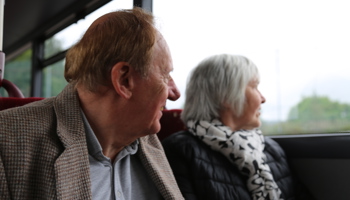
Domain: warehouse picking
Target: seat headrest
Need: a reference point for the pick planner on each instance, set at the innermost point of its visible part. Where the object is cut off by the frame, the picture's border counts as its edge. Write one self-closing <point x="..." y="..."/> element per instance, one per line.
<point x="170" y="123"/>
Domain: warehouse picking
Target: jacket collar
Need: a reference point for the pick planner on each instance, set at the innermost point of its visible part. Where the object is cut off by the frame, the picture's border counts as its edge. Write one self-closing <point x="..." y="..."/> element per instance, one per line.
<point x="72" y="166"/>
<point x="153" y="158"/>
<point x="70" y="127"/>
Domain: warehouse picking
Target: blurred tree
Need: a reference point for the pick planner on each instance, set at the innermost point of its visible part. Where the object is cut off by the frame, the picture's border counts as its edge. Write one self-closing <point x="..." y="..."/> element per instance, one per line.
<point x="313" y="114"/>
<point x="18" y="72"/>
<point x="315" y="108"/>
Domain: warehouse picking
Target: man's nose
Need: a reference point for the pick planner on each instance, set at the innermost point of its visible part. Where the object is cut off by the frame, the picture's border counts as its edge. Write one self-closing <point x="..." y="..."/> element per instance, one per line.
<point x="174" y="92"/>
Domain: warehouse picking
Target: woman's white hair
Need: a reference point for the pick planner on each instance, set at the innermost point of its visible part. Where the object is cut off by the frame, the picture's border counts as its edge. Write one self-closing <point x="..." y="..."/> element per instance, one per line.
<point x="217" y="82"/>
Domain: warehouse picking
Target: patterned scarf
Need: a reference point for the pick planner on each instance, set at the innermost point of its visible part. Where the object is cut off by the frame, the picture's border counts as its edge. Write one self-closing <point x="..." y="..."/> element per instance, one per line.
<point x="244" y="149"/>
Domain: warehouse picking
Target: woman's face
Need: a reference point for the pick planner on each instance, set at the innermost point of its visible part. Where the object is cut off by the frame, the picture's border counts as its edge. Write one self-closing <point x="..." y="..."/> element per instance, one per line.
<point x="250" y="117"/>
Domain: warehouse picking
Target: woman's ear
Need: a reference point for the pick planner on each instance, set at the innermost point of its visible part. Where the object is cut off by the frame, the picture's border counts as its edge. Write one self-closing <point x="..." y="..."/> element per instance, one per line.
<point x="225" y="106"/>
<point x="122" y="80"/>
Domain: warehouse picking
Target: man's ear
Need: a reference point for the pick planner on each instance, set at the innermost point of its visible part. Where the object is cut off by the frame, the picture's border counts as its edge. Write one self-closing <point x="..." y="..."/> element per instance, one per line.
<point x="122" y="80"/>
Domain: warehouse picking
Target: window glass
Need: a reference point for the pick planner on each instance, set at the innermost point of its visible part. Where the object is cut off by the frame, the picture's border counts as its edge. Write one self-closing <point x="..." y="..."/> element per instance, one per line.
<point x="70" y="35"/>
<point x="18" y="72"/>
<point x="300" y="47"/>
<point x="53" y="79"/>
<point x="53" y="75"/>
<point x="53" y="46"/>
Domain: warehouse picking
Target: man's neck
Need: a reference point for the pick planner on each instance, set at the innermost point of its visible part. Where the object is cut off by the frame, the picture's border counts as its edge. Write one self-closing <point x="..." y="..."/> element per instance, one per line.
<point x="110" y="128"/>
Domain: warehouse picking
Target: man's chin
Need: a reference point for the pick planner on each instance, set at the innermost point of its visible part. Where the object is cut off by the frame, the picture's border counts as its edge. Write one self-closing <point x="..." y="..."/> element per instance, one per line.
<point x="155" y="129"/>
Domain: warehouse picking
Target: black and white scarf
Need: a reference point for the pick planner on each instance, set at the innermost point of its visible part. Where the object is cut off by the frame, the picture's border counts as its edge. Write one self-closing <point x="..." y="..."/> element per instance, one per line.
<point x="244" y="149"/>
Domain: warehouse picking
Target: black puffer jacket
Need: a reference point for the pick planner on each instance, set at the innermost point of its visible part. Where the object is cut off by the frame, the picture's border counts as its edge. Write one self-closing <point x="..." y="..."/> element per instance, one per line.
<point x="202" y="173"/>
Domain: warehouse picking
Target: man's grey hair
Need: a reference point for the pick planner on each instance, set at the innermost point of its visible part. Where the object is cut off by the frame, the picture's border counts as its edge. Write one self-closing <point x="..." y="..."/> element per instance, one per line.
<point x="217" y="82"/>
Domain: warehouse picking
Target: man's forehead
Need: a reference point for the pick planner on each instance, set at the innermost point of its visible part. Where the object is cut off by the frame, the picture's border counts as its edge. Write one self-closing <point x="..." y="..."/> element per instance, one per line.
<point x="162" y="54"/>
<point x="161" y="44"/>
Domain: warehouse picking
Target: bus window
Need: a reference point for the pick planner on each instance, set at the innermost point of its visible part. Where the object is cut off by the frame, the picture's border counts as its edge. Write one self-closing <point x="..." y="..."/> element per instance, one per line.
<point x="17" y="70"/>
<point x="70" y="35"/>
<point x="53" y="80"/>
<point x="300" y="47"/>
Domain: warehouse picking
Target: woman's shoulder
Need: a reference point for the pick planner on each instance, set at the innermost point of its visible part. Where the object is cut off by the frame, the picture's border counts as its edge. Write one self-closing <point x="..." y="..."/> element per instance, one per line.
<point x="190" y="147"/>
<point x="183" y="142"/>
<point x="187" y="146"/>
<point x="273" y="148"/>
<point x="210" y="171"/>
<point x="182" y="136"/>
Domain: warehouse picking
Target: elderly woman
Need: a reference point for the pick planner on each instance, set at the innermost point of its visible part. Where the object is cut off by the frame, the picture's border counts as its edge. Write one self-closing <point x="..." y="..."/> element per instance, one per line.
<point x="223" y="154"/>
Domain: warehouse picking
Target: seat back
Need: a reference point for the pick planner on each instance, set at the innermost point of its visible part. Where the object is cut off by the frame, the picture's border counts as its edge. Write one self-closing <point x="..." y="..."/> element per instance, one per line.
<point x="11" y="89"/>
<point x="11" y="102"/>
<point x="170" y="123"/>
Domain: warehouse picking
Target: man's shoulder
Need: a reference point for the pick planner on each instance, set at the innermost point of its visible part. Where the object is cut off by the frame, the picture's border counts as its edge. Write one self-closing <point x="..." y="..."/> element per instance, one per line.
<point x="28" y="119"/>
<point x="26" y="127"/>
<point x="31" y="109"/>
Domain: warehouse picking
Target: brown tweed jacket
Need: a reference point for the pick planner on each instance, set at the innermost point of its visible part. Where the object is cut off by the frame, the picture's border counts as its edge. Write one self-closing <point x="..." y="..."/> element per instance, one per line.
<point x="43" y="153"/>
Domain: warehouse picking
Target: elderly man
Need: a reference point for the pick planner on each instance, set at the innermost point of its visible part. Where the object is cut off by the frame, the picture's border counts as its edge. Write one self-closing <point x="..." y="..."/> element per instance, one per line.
<point x="96" y="139"/>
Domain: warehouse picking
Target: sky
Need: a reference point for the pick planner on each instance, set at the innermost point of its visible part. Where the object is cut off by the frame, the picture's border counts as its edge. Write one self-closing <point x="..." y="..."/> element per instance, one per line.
<point x="300" y="47"/>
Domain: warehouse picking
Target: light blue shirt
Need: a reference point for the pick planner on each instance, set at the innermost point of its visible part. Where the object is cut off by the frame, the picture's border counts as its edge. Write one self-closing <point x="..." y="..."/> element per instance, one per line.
<point x="125" y="179"/>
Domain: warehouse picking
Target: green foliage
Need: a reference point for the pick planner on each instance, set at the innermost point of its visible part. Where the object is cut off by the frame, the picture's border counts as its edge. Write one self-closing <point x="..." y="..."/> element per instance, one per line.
<point x="53" y="79"/>
<point x="25" y="56"/>
<point x="52" y="46"/>
<point x="319" y="108"/>
<point x="306" y="127"/>
<point x="18" y="71"/>
<point x="313" y="114"/>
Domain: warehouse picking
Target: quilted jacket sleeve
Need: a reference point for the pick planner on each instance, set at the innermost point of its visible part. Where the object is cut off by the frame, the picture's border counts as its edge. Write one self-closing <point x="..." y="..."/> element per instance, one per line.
<point x="289" y="184"/>
<point x="180" y="165"/>
<point x="202" y="173"/>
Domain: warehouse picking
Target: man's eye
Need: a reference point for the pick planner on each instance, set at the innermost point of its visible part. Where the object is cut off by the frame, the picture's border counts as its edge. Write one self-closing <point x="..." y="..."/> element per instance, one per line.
<point x="166" y="78"/>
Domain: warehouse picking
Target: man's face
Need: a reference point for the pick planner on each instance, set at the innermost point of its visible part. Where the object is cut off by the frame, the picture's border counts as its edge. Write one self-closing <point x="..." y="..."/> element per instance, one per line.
<point x="154" y="90"/>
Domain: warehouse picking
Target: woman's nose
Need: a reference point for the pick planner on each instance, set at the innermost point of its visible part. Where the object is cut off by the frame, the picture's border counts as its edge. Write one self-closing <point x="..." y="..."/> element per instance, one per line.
<point x="263" y="100"/>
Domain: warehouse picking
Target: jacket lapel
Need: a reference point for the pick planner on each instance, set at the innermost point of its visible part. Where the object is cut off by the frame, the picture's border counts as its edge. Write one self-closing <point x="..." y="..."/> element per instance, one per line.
<point x="72" y="168"/>
<point x="154" y="160"/>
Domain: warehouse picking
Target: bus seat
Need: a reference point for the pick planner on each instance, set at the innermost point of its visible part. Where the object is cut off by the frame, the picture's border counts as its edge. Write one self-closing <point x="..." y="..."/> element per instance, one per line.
<point x="170" y="123"/>
<point x="11" y="89"/>
<point x="11" y="102"/>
